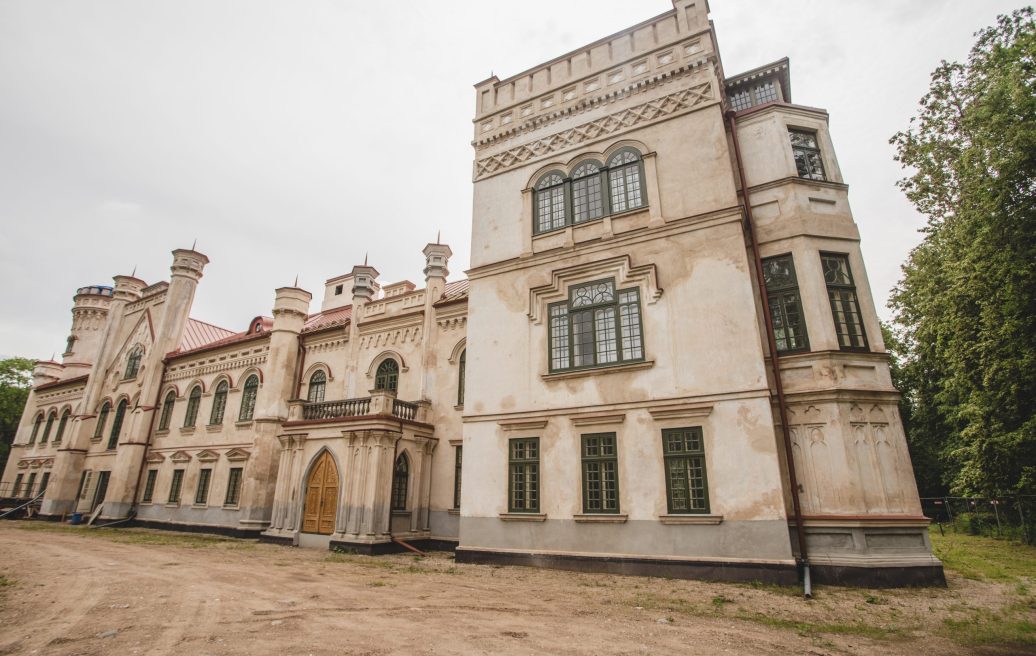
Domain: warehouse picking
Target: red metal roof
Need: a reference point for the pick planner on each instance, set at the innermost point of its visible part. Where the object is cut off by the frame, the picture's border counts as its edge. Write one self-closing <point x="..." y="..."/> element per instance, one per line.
<point x="58" y="383"/>
<point x="337" y="317"/>
<point x="455" y="291"/>
<point x="199" y="333"/>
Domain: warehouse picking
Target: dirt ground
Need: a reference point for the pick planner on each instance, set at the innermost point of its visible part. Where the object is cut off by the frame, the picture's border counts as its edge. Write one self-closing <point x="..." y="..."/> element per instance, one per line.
<point x="67" y="591"/>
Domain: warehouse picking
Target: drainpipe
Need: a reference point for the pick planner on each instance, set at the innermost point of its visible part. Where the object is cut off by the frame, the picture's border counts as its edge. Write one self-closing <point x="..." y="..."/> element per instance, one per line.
<point x="807" y="587"/>
<point x="147" y="444"/>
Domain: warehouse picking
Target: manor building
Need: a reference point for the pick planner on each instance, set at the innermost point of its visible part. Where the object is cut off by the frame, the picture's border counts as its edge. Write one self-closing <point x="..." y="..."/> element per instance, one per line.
<point x="605" y="391"/>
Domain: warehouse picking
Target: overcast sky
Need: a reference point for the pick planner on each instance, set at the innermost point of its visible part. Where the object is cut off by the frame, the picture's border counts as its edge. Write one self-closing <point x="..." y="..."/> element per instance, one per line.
<point x="294" y="137"/>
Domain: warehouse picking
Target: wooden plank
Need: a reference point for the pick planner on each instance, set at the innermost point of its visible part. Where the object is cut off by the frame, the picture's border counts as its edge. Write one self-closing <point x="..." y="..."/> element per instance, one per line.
<point x="95" y="513"/>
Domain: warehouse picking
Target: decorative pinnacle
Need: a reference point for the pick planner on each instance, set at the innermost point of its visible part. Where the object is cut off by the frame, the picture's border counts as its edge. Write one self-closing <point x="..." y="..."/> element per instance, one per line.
<point x="438" y="235"/>
<point x="365" y="259"/>
<point x="194" y="244"/>
<point x="296" y="280"/>
<point x="134" y="274"/>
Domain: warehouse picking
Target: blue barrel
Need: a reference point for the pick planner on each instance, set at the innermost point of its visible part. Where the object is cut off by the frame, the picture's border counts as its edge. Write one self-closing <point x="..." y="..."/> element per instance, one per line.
<point x="77" y="518"/>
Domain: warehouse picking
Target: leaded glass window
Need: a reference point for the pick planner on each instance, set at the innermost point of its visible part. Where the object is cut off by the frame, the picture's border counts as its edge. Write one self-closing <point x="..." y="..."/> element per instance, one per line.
<point x="782" y="290"/>
<point x="845" y="307"/>
<point x="549" y="201"/>
<point x="248" y="398"/>
<point x="51" y="418"/>
<point x="596" y="326"/>
<point x="523" y="491"/>
<point x="102" y="419"/>
<point x="193" y="402"/>
<point x="626" y="180"/>
<point x="807" y="154"/>
<point x="600" y="473"/>
<point x="133" y="363"/>
<point x="317" y="386"/>
<point x="219" y="403"/>
<point x="120" y="416"/>
<point x="35" y="428"/>
<point x="167" y="411"/>
<point x="587" y="192"/>
<point x="687" y="489"/>
<point x="387" y="377"/>
<point x="65" y="416"/>
<point x="400" y="481"/>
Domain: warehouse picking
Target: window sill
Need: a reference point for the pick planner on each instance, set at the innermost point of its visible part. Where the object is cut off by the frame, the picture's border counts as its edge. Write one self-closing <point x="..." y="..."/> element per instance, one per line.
<point x="162" y="432"/>
<point x="603" y="369"/>
<point x="213" y="428"/>
<point x="690" y="519"/>
<point x="601" y="518"/>
<point x="400" y="513"/>
<point x="246" y="423"/>
<point x="231" y="507"/>
<point x="93" y="440"/>
<point x="172" y="504"/>
<point x="523" y="517"/>
<point x="187" y="430"/>
<point x="453" y="511"/>
<point x="459" y="406"/>
<point x="199" y="505"/>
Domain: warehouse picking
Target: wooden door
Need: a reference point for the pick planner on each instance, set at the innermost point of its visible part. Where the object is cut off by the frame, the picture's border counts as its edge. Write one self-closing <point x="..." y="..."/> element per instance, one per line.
<point x="321" y="497"/>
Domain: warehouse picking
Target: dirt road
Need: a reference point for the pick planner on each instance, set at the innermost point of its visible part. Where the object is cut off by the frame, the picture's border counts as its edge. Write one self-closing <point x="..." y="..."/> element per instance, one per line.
<point x="141" y="592"/>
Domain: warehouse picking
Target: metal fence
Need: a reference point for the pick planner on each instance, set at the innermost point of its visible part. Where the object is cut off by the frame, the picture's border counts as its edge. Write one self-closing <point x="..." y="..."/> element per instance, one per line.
<point x="1004" y="517"/>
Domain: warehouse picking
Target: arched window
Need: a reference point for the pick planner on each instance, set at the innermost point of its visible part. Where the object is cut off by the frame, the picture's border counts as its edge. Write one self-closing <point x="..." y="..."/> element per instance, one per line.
<point x="248" y="398"/>
<point x="317" y="386"/>
<point x="193" y="401"/>
<point x="626" y="180"/>
<point x="400" y="480"/>
<point x="387" y="377"/>
<point x="69" y="344"/>
<point x="549" y="202"/>
<point x="133" y="363"/>
<point x="65" y="416"/>
<point x="102" y="419"/>
<point x="120" y="415"/>
<point x="219" y="403"/>
<point x="167" y="411"/>
<point x="461" y="366"/>
<point x="36" y="428"/>
<point x="587" y="192"/>
<point x="50" y="424"/>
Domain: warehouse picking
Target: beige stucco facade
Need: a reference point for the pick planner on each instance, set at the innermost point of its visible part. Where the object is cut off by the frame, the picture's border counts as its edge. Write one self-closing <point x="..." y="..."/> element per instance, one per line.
<point x="598" y="394"/>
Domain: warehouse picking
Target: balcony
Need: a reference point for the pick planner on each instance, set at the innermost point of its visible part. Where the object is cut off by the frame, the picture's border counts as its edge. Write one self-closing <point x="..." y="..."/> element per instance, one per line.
<point x="379" y="404"/>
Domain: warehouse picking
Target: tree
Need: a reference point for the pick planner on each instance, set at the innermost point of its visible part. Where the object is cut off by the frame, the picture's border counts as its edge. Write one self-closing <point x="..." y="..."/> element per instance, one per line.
<point x="965" y="307"/>
<point x="15" y="378"/>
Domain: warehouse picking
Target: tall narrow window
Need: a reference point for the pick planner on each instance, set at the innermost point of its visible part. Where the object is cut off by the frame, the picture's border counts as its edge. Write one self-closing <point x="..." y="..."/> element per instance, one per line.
<point x="845" y="308"/>
<point x="167" y="411"/>
<point x="36" y="428"/>
<point x="193" y="402"/>
<point x="233" y="487"/>
<point x="50" y="424"/>
<point x="175" y="485"/>
<point x="201" y="495"/>
<point x="523" y="480"/>
<point x="782" y="289"/>
<point x="219" y="403"/>
<point x="71" y="342"/>
<point x="457" y="459"/>
<point x="102" y="419"/>
<point x="806" y="152"/>
<point x="317" y="385"/>
<point x="600" y="473"/>
<point x="686" y="485"/>
<point x="248" y="398"/>
<point x="549" y="202"/>
<point x="596" y="326"/>
<point x="120" y="415"/>
<point x="133" y="363"/>
<point x="44" y="481"/>
<point x="587" y="192"/>
<point x="30" y="486"/>
<point x="65" y="416"/>
<point x="400" y="482"/>
<point x="149" y="486"/>
<point x="461" y="367"/>
<point x="17" y="491"/>
<point x="626" y="180"/>
<point x="387" y="377"/>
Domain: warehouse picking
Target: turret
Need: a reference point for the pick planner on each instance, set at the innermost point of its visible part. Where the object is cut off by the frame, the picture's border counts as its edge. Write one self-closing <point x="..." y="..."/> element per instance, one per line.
<point x="365" y="286"/>
<point x="290" y="310"/>
<point x="89" y="313"/>
<point x="46" y="371"/>
<point x="436" y="258"/>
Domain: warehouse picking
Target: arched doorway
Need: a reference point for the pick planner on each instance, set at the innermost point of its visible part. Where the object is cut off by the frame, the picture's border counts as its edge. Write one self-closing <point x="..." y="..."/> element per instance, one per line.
<point x="321" y="496"/>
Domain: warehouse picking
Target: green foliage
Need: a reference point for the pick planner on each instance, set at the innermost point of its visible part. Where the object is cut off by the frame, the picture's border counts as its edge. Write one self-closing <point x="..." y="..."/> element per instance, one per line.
<point x="966" y="304"/>
<point x="15" y="378"/>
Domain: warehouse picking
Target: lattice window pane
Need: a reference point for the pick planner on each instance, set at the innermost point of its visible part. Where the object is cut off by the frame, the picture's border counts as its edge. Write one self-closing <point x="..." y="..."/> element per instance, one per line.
<point x="592" y="294"/>
<point x="582" y="339"/>
<point x="765" y="93"/>
<point x="629" y="324"/>
<point x="604" y="329"/>
<point x="559" y="353"/>
<point x="740" y="100"/>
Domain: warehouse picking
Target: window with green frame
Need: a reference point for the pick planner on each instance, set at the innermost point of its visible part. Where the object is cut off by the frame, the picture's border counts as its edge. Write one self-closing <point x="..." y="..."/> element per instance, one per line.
<point x="387" y="376"/>
<point x="597" y="326"/>
<point x="102" y="419"/>
<point x="120" y="416"/>
<point x="591" y="192"/>
<point x="248" y="398"/>
<point x="686" y="484"/>
<point x="458" y="456"/>
<point x="806" y="152"/>
<point x="149" y="486"/>
<point x="62" y="424"/>
<point x="167" y="411"/>
<point x="219" y="403"/>
<point x="782" y="290"/>
<point x="36" y="428"/>
<point x="523" y="480"/>
<point x="845" y="308"/>
<point x="201" y="494"/>
<point x="175" y="485"/>
<point x="193" y="402"/>
<point x="233" y="487"/>
<point x="600" y="473"/>
<point x="51" y="418"/>
<point x="16" y="492"/>
<point x="133" y="363"/>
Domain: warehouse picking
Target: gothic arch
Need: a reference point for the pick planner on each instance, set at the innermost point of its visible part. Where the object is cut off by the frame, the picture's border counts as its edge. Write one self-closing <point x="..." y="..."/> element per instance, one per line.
<point x="458" y="348"/>
<point x="304" y="485"/>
